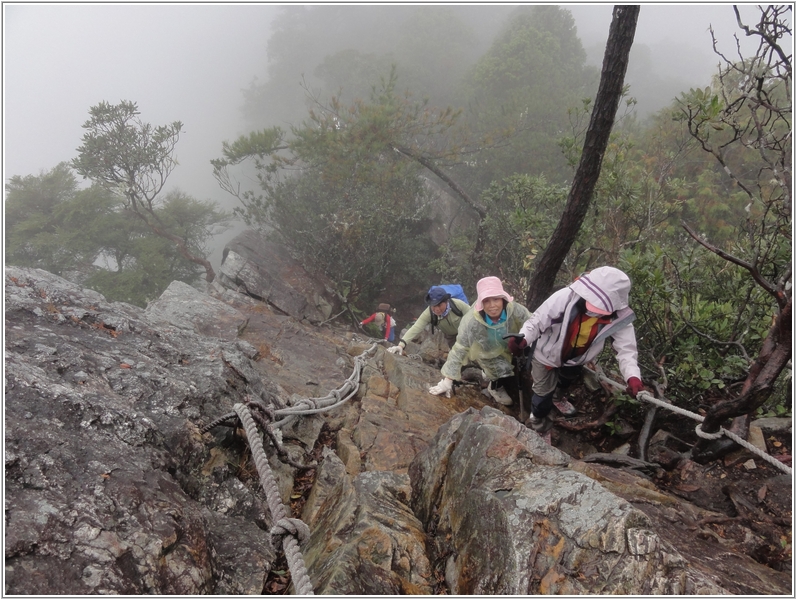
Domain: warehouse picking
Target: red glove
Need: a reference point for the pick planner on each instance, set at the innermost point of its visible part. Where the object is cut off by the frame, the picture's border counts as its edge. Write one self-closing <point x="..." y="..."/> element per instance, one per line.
<point x="634" y="387"/>
<point x="516" y="346"/>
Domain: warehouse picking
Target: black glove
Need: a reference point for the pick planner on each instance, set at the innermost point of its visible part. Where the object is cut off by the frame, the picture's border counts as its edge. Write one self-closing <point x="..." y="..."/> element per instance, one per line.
<point x="516" y="345"/>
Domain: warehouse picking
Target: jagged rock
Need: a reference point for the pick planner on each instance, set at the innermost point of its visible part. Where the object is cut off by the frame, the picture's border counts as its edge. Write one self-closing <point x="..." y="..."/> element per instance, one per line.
<point x="772" y="424"/>
<point x="512" y="518"/>
<point x="265" y="271"/>
<point x="188" y="308"/>
<point x="365" y="540"/>
<point x="398" y="417"/>
<point x="105" y="491"/>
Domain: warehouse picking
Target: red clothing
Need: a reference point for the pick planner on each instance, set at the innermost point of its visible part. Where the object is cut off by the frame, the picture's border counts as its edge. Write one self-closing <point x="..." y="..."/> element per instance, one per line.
<point x="388" y="322"/>
<point x="580" y="333"/>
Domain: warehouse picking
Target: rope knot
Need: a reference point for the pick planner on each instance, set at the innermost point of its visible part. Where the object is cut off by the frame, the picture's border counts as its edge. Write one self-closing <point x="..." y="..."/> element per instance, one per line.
<point x="309" y="403"/>
<point x="288" y="526"/>
<point x="705" y="435"/>
<point x="263" y="408"/>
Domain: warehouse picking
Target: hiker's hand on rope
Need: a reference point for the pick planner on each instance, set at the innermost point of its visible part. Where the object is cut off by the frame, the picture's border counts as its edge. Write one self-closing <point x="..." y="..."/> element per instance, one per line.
<point x="634" y="387"/>
<point x="444" y="387"/>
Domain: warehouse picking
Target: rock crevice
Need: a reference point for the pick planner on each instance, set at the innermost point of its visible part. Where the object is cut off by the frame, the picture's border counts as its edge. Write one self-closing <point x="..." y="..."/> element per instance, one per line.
<point x="112" y="488"/>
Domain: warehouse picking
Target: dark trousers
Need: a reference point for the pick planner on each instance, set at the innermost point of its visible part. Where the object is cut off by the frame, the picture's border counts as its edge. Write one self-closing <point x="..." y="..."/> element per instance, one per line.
<point x="567" y="375"/>
<point x="542" y="405"/>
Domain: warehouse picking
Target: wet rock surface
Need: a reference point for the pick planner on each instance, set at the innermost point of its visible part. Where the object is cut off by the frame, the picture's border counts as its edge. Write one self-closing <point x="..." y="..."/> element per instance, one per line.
<point x="105" y="491"/>
<point x="112" y="488"/>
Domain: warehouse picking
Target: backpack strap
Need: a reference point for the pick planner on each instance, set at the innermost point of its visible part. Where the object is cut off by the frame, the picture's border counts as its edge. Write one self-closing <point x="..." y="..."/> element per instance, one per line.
<point x="456" y="310"/>
<point x="433" y="320"/>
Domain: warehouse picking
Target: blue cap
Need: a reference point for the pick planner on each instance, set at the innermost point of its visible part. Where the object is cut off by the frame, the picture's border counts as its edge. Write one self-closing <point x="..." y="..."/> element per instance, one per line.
<point x="436" y="295"/>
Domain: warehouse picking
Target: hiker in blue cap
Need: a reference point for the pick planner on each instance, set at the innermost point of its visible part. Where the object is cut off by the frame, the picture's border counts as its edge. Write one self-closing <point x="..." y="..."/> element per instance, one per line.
<point x="445" y="312"/>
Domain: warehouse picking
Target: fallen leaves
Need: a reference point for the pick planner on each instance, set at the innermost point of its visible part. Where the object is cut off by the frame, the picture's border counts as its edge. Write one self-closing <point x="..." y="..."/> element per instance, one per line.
<point x="762" y="493"/>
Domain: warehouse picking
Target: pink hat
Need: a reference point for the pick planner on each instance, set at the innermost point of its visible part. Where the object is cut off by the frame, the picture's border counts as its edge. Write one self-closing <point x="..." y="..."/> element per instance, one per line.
<point x="490" y="287"/>
<point x="596" y="310"/>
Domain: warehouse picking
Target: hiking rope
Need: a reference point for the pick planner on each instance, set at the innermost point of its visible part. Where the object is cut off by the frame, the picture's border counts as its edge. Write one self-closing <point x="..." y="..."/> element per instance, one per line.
<point x="291" y="531"/>
<point x="310" y="406"/>
<point x="283" y="527"/>
<point x="648" y="397"/>
<point x="335" y="398"/>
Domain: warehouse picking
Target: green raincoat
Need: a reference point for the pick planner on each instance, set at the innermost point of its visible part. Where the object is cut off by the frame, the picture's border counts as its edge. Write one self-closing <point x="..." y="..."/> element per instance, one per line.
<point x="485" y="344"/>
<point x="449" y="324"/>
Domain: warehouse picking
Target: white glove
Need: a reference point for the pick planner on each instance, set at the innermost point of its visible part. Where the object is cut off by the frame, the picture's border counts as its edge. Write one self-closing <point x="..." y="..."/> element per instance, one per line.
<point x="396" y="350"/>
<point x="444" y="387"/>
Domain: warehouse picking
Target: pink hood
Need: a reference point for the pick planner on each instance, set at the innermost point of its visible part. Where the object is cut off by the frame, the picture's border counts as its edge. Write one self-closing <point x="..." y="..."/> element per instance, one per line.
<point x="605" y="287"/>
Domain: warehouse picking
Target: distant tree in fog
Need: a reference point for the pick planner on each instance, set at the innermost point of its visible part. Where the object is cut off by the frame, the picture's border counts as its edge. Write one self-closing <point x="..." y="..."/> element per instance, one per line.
<point x="86" y="236"/>
<point x="533" y="72"/>
<point x="31" y="219"/>
<point x="134" y="159"/>
<point x="337" y="50"/>
<point x="340" y="192"/>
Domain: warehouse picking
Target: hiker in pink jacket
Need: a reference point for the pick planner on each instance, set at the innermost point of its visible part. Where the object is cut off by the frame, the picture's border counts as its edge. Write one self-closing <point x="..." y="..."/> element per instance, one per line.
<point x="570" y="329"/>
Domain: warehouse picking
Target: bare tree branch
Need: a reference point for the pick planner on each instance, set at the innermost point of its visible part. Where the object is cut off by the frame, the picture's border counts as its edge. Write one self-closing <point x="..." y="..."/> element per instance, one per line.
<point x="772" y="289"/>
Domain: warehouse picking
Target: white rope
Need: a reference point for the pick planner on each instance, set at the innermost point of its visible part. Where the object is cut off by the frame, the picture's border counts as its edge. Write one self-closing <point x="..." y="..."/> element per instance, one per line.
<point x="292" y="531"/>
<point x="647" y="397"/>
<point x="314" y="406"/>
<point x="283" y="527"/>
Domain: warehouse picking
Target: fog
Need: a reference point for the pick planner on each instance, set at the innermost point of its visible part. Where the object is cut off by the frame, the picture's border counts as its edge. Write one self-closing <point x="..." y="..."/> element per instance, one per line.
<point x="190" y="63"/>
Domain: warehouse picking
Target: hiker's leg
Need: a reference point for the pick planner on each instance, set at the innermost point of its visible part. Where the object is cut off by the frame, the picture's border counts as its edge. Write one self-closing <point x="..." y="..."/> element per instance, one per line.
<point x="545" y="379"/>
<point x="510" y="385"/>
<point x="567" y="376"/>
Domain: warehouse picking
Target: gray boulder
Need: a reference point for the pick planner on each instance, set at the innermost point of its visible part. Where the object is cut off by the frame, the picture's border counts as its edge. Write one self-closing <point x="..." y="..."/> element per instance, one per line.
<point x="186" y="307"/>
<point x="109" y="486"/>
<point x="265" y="270"/>
<point x="510" y="516"/>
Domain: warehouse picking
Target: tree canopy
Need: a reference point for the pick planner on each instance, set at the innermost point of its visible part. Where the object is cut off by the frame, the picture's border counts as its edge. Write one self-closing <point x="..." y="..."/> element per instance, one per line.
<point x="533" y="72"/>
<point x="87" y="235"/>
<point x="134" y="159"/>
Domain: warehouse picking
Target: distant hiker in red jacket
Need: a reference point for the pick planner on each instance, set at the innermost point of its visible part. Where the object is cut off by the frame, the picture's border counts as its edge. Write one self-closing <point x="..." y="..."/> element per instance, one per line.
<point x="385" y="321"/>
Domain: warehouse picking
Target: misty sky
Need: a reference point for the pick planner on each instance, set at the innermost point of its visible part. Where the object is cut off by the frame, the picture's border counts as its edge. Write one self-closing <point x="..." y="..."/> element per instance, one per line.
<point x="189" y="62"/>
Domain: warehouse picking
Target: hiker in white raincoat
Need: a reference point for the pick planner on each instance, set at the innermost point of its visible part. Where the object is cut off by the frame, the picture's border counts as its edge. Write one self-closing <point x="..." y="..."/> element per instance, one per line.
<point x="570" y="329"/>
<point x="481" y="339"/>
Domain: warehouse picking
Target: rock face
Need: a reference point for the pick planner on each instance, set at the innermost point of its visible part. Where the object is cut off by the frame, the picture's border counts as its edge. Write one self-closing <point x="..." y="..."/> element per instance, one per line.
<point x="109" y="484"/>
<point x="112" y="488"/>
<point x="186" y="307"/>
<point x="265" y="271"/>
<point x="511" y="517"/>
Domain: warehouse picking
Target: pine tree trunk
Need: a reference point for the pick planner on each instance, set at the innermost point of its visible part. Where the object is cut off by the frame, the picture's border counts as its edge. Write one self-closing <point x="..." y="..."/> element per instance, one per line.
<point x="610" y="91"/>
